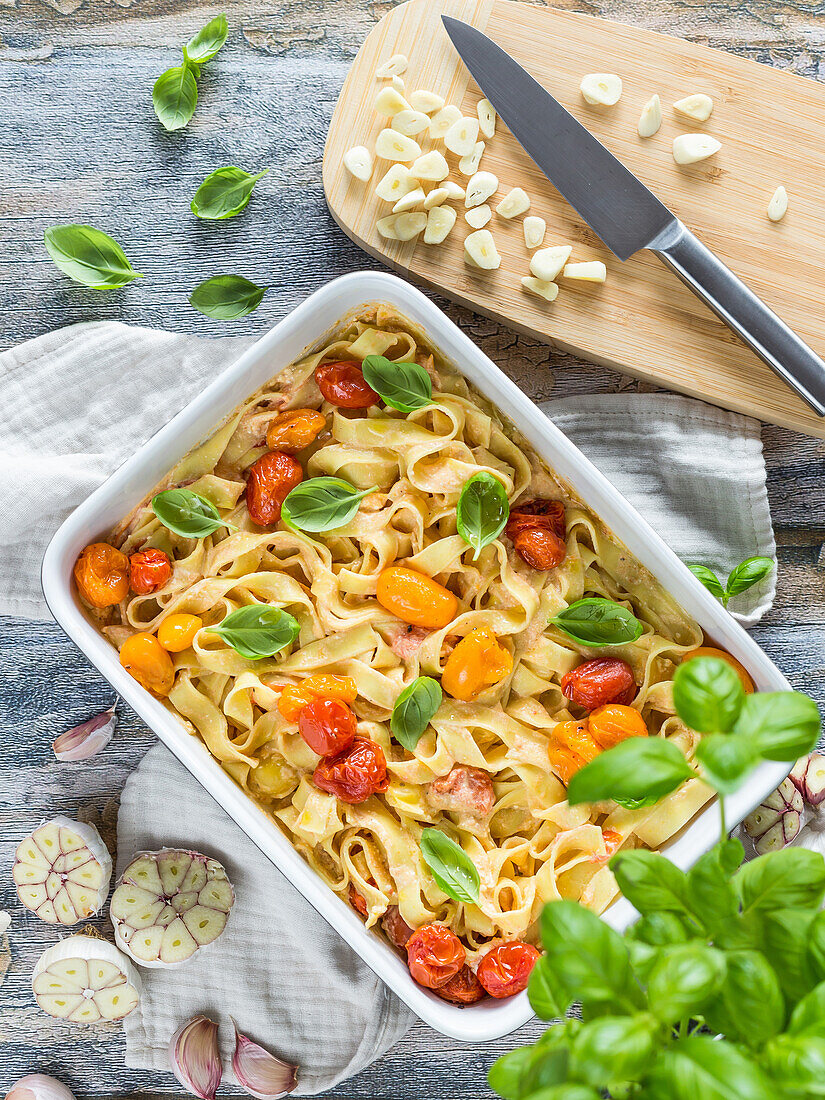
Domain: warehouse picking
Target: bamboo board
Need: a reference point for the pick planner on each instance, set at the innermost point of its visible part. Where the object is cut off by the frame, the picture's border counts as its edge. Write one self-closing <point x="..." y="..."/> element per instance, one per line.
<point x="642" y="321"/>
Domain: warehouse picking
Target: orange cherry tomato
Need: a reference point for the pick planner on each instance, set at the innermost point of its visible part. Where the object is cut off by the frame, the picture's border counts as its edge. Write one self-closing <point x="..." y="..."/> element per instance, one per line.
<point x="723" y="655"/>
<point x="613" y="840"/>
<point x="295" y="697"/>
<point x="463" y="988"/>
<point x="147" y="661"/>
<point x="602" y="680"/>
<point x="416" y="598"/>
<point x="541" y="549"/>
<point x="612" y="723"/>
<point x="357" y="901"/>
<point x="478" y="661"/>
<point x="294" y="430"/>
<point x="149" y="570"/>
<point x="564" y="762"/>
<point x="354" y="774"/>
<point x="576" y="737"/>
<point x="101" y="574"/>
<point x="505" y="970"/>
<point x="177" y="632"/>
<point x="530" y="514"/>
<point x="327" y="725"/>
<point x="343" y="384"/>
<point x="434" y="955"/>
<point x="270" y="481"/>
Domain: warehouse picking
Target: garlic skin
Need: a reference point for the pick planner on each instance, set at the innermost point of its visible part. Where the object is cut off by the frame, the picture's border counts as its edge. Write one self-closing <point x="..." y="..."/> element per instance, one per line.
<point x="37" y="1086"/>
<point x="85" y="980"/>
<point x="195" y="1058"/>
<point x="808" y="776"/>
<point x="87" y="739"/>
<point x="62" y="871"/>
<point x="777" y="821"/>
<point x="260" y="1073"/>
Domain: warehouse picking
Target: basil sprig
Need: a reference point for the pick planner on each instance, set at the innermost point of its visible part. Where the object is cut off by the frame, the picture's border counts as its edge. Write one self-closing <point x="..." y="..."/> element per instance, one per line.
<point x="451" y="867"/>
<point x="226" y="297"/>
<point x="595" y="621"/>
<point x="205" y="43"/>
<point x="175" y="92"/>
<point x="482" y="511"/>
<point x="224" y="193"/>
<point x="258" y="630"/>
<point x="742" y="577"/>
<point x="89" y="256"/>
<point x="322" y="504"/>
<point x="403" y="386"/>
<point x="187" y="513"/>
<point x="413" y="710"/>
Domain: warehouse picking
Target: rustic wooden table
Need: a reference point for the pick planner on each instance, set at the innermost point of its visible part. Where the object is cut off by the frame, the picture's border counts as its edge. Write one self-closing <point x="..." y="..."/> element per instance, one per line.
<point x="80" y="143"/>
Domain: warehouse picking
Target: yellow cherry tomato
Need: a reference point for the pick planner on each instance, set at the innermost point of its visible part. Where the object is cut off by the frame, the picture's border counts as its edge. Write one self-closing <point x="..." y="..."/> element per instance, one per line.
<point x="177" y="632"/>
<point x="295" y="697"/>
<point x="477" y="662"/>
<point x="416" y="598"/>
<point x="147" y="661"/>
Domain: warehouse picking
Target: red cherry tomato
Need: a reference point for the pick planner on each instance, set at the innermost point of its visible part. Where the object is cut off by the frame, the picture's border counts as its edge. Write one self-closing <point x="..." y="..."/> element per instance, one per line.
<point x="463" y="988"/>
<point x="434" y="955"/>
<point x="603" y="680"/>
<point x="357" y="901"/>
<point x="327" y="725"/>
<point x="505" y="969"/>
<point x="354" y="774"/>
<point x="343" y="384"/>
<point x="149" y="570"/>
<point x="547" y="515"/>
<point x="270" y="481"/>
<point x="397" y="929"/>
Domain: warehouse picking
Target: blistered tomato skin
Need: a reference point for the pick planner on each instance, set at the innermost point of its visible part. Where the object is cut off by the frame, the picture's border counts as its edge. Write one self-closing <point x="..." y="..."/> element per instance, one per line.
<point x="416" y="598"/>
<point x="177" y="632"/>
<point x="149" y="570"/>
<point x="145" y="659"/>
<point x="463" y="988"/>
<point x="357" y="901"/>
<point x="101" y="574"/>
<point x="294" y="430"/>
<point x="343" y="384"/>
<point x="479" y="661"/>
<point x="723" y="655"/>
<point x="327" y="725"/>
<point x="541" y="549"/>
<point x="434" y="955"/>
<point x="270" y="481"/>
<point x="354" y="774"/>
<point x="603" y="680"/>
<point x="546" y="515"/>
<point x="613" y="723"/>
<point x="505" y="970"/>
<point x="295" y="697"/>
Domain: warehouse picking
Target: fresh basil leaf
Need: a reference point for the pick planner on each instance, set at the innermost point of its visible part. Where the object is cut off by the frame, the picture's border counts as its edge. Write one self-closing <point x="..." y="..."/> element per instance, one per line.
<point x="547" y="1068"/>
<point x="707" y="694"/>
<point x="746" y="575"/>
<point x="613" y="1048"/>
<point x="224" y="193"/>
<point x="547" y="998"/>
<point x="402" y="386"/>
<point x="89" y="256"/>
<point x="186" y="513"/>
<point x="203" y="46"/>
<point x="793" y="877"/>
<point x="451" y="867"/>
<point x="226" y="297"/>
<point x="798" y="1061"/>
<point x="567" y="1091"/>
<point x="594" y="621"/>
<point x="781" y="725"/>
<point x="726" y="760"/>
<point x="808" y="1018"/>
<point x="640" y="767"/>
<point x="504" y="1075"/>
<point x="683" y="980"/>
<point x="786" y="937"/>
<point x="637" y="803"/>
<point x="175" y="96"/>
<point x="643" y="957"/>
<point x="413" y="709"/>
<point x="650" y="882"/>
<point x="815" y="946"/>
<point x="482" y="511"/>
<point x="322" y="504"/>
<point x="710" y="1069"/>
<point x="749" y="1007"/>
<point x="258" y="630"/>
<point x="660" y="930"/>
<point x="708" y="578"/>
<point x="709" y="887"/>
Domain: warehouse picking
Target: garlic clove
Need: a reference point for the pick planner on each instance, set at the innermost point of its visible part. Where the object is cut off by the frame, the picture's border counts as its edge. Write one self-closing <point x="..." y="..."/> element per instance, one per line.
<point x="478" y="216"/>
<point x="425" y="101"/>
<point x="442" y="120"/>
<point x="440" y="222"/>
<point x="410" y="122"/>
<point x="515" y="202"/>
<point x="436" y="197"/>
<point x="547" y="263"/>
<point x="778" y="820"/>
<point x="397" y="181"/>
<point x="462" y="136"/>
<point x="62" y="871"/>
<point x="396" y="65"/>
<point x="87" y="739"/>
<point x="546" y="290"/>
<point x="409" y="201"/>
<point x="195" y="1057"/>
<point x="594" y="271"/>
<point x="480" y="250"/>
<point x="486" y="117"/>
<point x="480" y="188"/>
<point x="454" y="190"/>
<point x="398" y="84"/>
<point x="534" y="230"/>
<point x="778" y="206"/>
<point x="432" y="167"/>
<point x="390" y="145"/>
<point x="650" y="119"/>
<point x="468" y="166"/>
<point x="389" y="102"/>
<point x="85" y="980"/>
<point x="260" y="1073"/>
<point x="698" y="107"/>
<point x="691" y="148"/>
<point x="602" y="89"/>
<point x="37" y="1086"/>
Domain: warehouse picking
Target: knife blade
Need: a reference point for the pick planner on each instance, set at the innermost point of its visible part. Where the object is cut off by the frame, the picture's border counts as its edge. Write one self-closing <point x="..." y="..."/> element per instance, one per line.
<point x="624" y="213"/>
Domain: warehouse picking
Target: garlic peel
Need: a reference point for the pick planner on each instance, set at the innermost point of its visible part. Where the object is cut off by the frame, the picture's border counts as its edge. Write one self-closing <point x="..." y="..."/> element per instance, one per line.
<point x="87" y="739"/>
<point x="37" y="1086"/>
<point x="195" y="1058"/>
<point x="259" y="1072"/>
<point x="85" y="980"/>
<point x="62" y="871"/>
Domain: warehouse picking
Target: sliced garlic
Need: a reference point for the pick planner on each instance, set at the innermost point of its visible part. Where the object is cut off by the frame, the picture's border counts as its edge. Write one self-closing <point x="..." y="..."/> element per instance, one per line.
<point x="410" y="122"/>
<point x="486" y="117"/>
<point x="389" y="102"/>
<point x="425" y="101"/>
<point x="593" y="271"/>
<point x="397" y="181"/>
<point x="440" y="222"/>
<point x="386" y="227"/>
<point x="85" y="979"/>
<point x="87" y="739"/>
<point x="515" y="202"/>
<point x="62" y="871"/>
<point x="5" y="921"/>
<point x="480" y="250"/>
<point x="358" y="162"/>
<point x="409" y="201"/>
<point x="402" y="227"/>
<point x="260" y="1073"/>
<point x="195" y="1057"/>
<point x="534" y="230"/>
<point x="168" y="905"/>
<point x="432" y="166"/>
<point x="462" y="136"/>
<point x="436" y="197"/>
<point x="442" y="120"/>
<point x="698" y="106"/>
<point x="690" y="148"/>
<point x="37" y="1086"/>
<point x="454" y="190"/>
<point x="480" y="188"/>
<point x="548" y="262"/>
<point x="396" y="65"/>
<point x="398" y="84"/>
<point x="468" y="166"/>
<point x="778" y="206"/>
<point x="547" y="290"/>
<point x="394" y="146"/>
<point x="651" y="117"/>
<point x="603" y="89"/>
<point x="478" y="216"/>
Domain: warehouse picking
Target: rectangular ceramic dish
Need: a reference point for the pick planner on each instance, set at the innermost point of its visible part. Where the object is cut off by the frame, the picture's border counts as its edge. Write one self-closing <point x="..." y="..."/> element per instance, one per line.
<point x="302" y="329"/>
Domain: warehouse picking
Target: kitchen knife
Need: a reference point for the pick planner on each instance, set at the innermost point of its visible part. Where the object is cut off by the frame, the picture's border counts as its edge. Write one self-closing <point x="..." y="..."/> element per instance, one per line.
<point x="624" y="213"/>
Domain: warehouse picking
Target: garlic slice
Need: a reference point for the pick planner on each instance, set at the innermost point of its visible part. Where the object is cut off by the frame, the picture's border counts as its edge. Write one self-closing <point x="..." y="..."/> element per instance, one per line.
<point x="410" y="122"/>
<point x="398" y="84"/>
<point x="515" y="202"/>
<point x="260" y="1073"/>
<point x="390" y="145"/>
<point x="390" y="102"/>
<point x="409" y="225"/>
<point x="84" y="979"/>
<point x="486" y="117"/>
<point x="593" y="271"/>
<point x="87" y="739"/>
<point x="480" y="250"/>
<point x="442" y="120"/>
<point x="548" y="262"/>
<point x="462" y="136"/>
<point x="358" y="162"/>
<point x="480" y="188"/>
<point x="396" y="65"/>
<point x="468" y="166"/>
<point x="778" y="206"/>
<point x="547" y="290"/>
<point x="431" y="166"/>
<point x="454" y="190"/>
<point x="478" y="216"/>
<point x="397" y="181"/>
<point x="698" y="107"/>
<point x="37" y="1086"/>
<point x="440" y="222"/>
<point x="650" y="119"/>
<point x="409" y="201"/>
<point x="602" y="89"/>
<point x="195" y="1057"/>
<point x="386" y="227"/>
<point x="62" y="871"/>
<point x="534" y="230"/>
<point x="691" y="148"/>
<point x="168" y="905"/>
<point x="425" y="101"/>
<point x="436" y="197"/>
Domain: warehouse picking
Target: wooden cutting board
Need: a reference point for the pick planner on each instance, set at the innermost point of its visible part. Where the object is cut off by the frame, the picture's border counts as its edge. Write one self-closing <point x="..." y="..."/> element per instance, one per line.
<point x="642" y="321"/>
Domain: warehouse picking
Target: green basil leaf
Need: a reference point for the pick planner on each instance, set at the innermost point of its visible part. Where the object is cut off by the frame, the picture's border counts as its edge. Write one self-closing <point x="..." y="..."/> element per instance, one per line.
<point x="205" y="44"/>
<point x="709" y="887"/>
<point x="781" y="725"/>
<point x="594" y="621"/>
<point x="175" y="96"/>
<point x="482" y="511"/>
<point x="413" y="709"/>
<point x="547" y="1067"/>
<point x="726" y="760"/>
<point x="660" y="930"/>
<point x="226" y="297"/>
<point x="746" y="575"/>
<point x="708" y="578"/>
<point x="815" y="946"/>
<point x="701" y="1067"/>
<point x="707" y="694"/>
<point x="643" y="957"/>
<point x="451" y="867"/>
<point x="789" y="878"/>
<point x="186" y="513"/>
<point x="258" y="630"/>
<point x="89" y="256"/>
<point x="640" y="767"/>
<point x="402" y="386"/>
<point x="749" y="1007"/>
<point x="224" y="193"/>
<point x="650" y="882"/>
<point x="808" y="1018"/>
<point x="504" y="1075"/>
<point x="798" y="1061"/>
<point x="637" y="803"/>
<point x="787" y="938"/>
<point x="567" y="1091"/>
<point x="613" y="1048"/>
<point x="322" y="504"/>
<point x="683" y="980"/>
<point x="546" y="996"/>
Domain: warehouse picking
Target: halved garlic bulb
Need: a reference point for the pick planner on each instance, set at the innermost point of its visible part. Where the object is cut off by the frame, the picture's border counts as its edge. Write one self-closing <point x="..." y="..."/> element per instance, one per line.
<point x="169" y="904"/>
<point x="37" y="1086"/>
<point x="84" y="979"/>
<point x="778" y="820"/>
<point x="62" y="871"/>
<point x="260" y="1073"/>
<point x="440" y="222"/>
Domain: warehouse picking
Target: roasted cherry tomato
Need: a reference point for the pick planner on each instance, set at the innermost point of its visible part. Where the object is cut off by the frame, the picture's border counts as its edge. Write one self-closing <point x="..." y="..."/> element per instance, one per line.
<point x="505" y="969"/>
<point x="478" y="661"/>
<point x="463" y="988"/>
<point x="270" y="481"/>
<point x="327" y="725"/>
<point x="541" y="549"/>
<point x="102" y="575"/>
<point x="343" y="384"/>
<point x="576" y="737"/>
<point x="147" y="661"/>
<point x="723" y="655"/>
<point x="416" y="598"/>
<point x="564" y="762"/>
<point x="292" y="431"/>
<point x="177" y="632"/>
<point x="434" y="955"/>
<point x="295" y="697"/>
<point x="603" y="680"/>
<point x="613" y="840"/>
<point x="397" y="930"/>
<point x="610" y="724"/>
<point x="149" y="570"/>
<point x="547" y="515"/>
<point x="354" y="774"/>
<point x="357" y="901"/>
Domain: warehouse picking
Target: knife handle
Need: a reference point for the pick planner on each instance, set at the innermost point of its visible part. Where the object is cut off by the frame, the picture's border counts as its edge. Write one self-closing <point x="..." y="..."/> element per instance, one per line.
<point x="744" y="312"/>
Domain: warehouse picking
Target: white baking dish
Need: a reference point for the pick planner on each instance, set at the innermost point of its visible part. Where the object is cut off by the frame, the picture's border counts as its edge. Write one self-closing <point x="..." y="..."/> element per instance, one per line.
<point x="135" y="479"/>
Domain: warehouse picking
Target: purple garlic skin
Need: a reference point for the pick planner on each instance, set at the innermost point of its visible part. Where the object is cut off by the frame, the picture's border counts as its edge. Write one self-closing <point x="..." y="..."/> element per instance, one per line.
<point x="259" y="1072"/>
<point x="808" y="776"/>
<point x="778" y="820"/>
